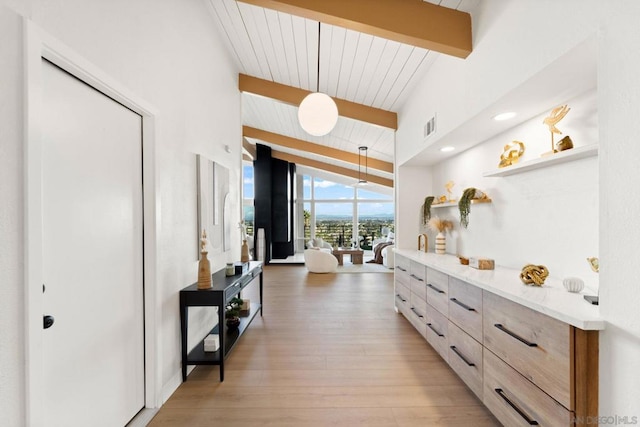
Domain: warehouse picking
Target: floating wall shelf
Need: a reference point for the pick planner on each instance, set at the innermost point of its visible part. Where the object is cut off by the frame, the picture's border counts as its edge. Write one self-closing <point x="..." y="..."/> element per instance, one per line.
<point x="449" y="204"/>
<point x="543" y="162"/>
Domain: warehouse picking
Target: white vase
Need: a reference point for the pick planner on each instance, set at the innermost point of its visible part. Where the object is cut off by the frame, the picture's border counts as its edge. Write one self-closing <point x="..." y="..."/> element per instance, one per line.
<point x="441" y="243"/>
<point x="573" y="284"/>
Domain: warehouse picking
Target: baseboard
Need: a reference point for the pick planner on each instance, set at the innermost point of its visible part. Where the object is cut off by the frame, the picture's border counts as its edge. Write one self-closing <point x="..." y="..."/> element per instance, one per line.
<point x="172" y="385"/>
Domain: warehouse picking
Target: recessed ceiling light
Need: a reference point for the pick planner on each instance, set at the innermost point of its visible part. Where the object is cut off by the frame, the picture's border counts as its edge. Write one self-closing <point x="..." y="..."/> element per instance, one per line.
<point x="447" y="149"/>
<point x="504" y="116"/>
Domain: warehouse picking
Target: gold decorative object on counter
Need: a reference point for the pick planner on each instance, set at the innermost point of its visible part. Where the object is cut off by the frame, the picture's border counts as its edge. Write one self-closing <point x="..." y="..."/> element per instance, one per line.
<point x="594" y="263"/>
<point x="534" y="274"/>
<point x="449" y="185"/>
<point x="564" y="144"/>
<point x="423" y="242"/>
<point x="511" y="153"/>
<point x="552" y="120"/>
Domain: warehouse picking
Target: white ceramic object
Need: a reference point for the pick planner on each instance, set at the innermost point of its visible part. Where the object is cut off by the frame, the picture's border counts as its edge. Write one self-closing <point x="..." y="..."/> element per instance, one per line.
<point x="573" y="284"/>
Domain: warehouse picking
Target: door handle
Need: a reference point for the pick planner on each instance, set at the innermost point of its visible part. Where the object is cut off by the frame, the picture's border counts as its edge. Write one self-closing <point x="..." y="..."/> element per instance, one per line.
<point x="47" y="321"/>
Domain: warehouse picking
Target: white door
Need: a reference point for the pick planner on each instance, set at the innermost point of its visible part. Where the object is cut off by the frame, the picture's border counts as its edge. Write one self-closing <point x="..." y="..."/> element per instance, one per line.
<point x="93" y="354"/>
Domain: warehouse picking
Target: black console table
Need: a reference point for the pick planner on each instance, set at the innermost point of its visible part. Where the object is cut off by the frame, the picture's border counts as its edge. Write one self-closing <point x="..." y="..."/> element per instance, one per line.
<point x="223" y="290"/>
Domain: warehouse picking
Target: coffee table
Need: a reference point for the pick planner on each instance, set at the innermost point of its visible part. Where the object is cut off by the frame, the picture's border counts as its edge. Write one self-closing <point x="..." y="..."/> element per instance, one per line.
<point x="356" y="255"/>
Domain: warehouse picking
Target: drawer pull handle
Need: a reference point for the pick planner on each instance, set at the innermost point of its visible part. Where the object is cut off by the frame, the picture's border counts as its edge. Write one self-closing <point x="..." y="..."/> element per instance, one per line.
<point x="463" y="305"/>
<point x="400" y="268"/>
<point x="417" y="278"/>
<point x="464" y="359"/>
<point x="434" y="330"/>
<point x="402" y="299"/>
<point x="519" y="338"/>
<point x="516" y="408"/>
<point x="435" y="289"/>
<point x="416" y="313"/>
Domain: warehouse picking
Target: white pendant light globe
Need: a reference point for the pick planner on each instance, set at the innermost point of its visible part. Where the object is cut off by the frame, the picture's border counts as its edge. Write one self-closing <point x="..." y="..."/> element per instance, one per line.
<point x="318" y="114"/>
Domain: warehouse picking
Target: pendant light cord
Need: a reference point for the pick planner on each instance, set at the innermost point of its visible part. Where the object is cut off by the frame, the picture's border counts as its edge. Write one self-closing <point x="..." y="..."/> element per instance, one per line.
<point x="318" y="76"/>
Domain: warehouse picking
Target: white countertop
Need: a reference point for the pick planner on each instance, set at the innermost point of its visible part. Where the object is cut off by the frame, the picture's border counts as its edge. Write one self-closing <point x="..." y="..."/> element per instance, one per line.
<point x="551" y="298"/>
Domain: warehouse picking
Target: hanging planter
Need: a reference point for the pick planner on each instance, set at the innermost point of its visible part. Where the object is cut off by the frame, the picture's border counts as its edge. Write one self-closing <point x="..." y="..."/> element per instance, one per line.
<point x="426" y="209"/>
<point x="464" y="205"/>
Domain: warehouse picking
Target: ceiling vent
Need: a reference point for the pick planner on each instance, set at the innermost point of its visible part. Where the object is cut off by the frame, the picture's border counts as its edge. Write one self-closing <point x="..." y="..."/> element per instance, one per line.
<point x="430" y="127"/>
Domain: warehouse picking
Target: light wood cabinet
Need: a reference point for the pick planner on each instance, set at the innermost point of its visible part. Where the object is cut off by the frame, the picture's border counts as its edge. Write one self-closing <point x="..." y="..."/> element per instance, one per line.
<point x="465" y="307"/>
<point x="534" y="344"/>
<point x="437" y="331"/>
<point x="524" y="365"/>
<point x="515" y="401"/>
<point x="465" y="357"/>
<point x="438" y="291"/>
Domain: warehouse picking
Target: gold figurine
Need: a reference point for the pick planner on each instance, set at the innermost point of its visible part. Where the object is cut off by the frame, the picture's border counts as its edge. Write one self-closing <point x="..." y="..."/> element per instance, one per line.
<point x="552" y="120"/>
<point x="511" y="154"/>
<point x="534" y="274"/>
<point x="449" y="185"/>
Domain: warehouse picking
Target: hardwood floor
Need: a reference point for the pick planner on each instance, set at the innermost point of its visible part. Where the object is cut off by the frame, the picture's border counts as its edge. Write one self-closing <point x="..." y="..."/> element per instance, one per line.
<point x="330" y="350"/>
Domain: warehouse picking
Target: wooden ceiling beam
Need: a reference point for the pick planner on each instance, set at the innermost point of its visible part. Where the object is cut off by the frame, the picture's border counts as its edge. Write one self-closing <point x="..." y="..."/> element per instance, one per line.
<point x="249" y="147"/>
<point x="413" y="22"/>
<point x="322" y="150"/>
<point x="294" y="96"/>
<point x="299" y="160"/>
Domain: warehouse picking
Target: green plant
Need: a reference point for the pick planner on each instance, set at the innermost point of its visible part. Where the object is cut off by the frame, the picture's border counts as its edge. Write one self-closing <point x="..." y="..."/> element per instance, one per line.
<point x="426" y="209"/>
<point x="232" y="310"/>
<point x="464" y="205"/>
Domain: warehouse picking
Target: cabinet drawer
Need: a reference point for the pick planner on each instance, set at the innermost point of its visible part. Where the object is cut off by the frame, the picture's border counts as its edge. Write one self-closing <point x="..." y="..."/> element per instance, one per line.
<point x="403" y="289"/>
<point x="465" y="307"/>
<point x="417" y="317"/>
<point x="465" y="357"/>
<point x="438" y="291"/>
<point x="419" y="288"/>
<point x="515" y="401"/>
<point x="402" y="276"/>
<point x="437" y="326"/>
<point x="403" y="298"/>
<point x="534" y="344"/>
<point x="418" y="271"/>
<point x="420" y="307"/>
<point x="402" y="263"/>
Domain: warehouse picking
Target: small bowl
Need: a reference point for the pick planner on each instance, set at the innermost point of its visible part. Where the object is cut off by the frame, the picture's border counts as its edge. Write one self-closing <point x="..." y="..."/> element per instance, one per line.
<point x="573" y="284"/>
<point x="463" y="260"/>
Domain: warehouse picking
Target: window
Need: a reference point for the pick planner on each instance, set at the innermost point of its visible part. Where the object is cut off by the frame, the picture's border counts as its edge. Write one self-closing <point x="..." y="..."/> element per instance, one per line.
<point x="248" y="209"/>
<point x="337" y="212"/>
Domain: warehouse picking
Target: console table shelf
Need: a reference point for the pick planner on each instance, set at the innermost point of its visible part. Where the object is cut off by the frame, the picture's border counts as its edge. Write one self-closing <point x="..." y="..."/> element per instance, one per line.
<point x="198" y="356"/>
<point x="223" y="290"/>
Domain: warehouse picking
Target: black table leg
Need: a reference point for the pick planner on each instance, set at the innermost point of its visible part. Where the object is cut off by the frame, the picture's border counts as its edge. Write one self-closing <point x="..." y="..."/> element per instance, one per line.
<point x="184" y="315"/>
<point x="222" y="332"/>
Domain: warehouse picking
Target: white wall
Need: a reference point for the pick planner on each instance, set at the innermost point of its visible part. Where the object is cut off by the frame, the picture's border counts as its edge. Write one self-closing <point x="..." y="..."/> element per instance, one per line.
<point x="169" y="54"/>
<point x="547" y="216"/>
<point x="11" y="223"/>
<point x="619" y="109"/>
<point x="513" y="41"/>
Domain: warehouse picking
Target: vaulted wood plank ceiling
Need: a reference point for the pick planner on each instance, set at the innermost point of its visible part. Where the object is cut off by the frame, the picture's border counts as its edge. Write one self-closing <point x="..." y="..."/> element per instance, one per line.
<point x="355" y="66"/>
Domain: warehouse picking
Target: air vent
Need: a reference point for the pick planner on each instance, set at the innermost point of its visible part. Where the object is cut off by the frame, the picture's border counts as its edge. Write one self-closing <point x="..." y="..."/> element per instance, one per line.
<point x="430" y="127"/>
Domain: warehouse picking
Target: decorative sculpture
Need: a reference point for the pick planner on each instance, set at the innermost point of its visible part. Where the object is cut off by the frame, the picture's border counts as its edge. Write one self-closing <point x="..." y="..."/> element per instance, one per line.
<point x="511" y="153"/>
<point x="449" y="185"/>
<point x="204" y="267"/>
<point x="534" y="274"/>
<point x="553" y="119"/>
